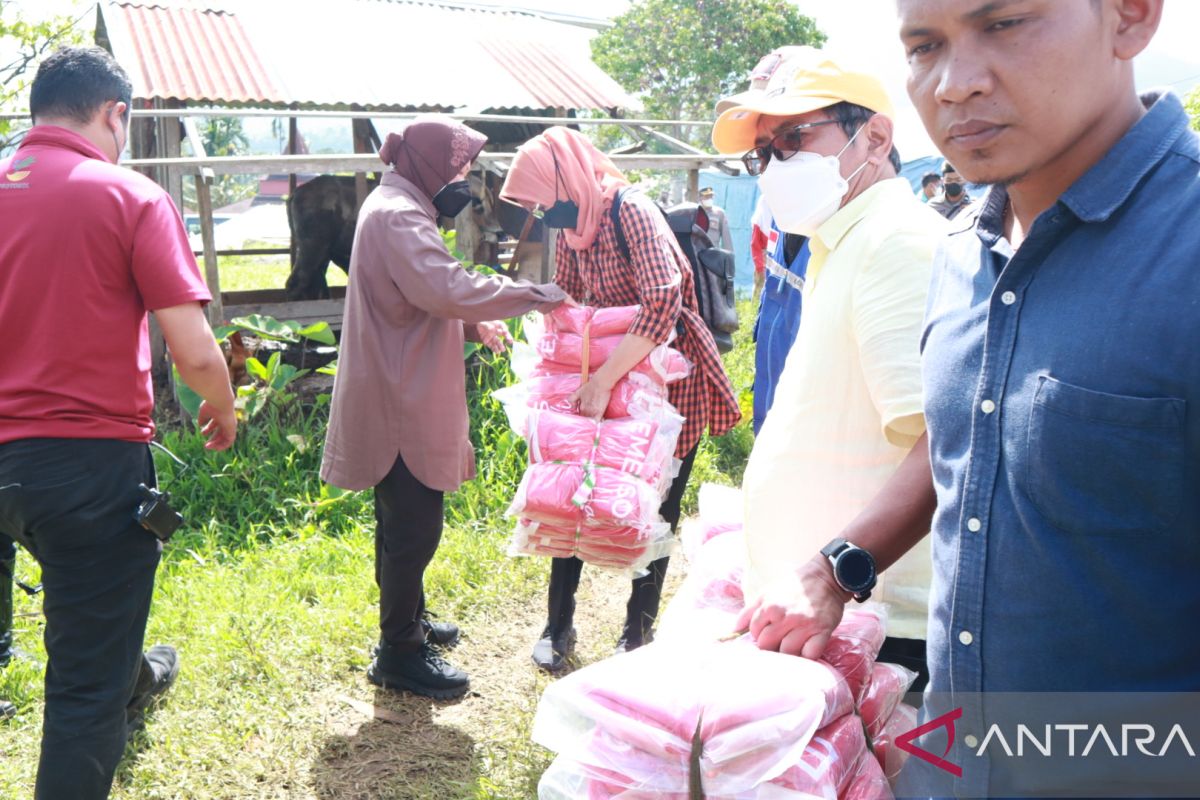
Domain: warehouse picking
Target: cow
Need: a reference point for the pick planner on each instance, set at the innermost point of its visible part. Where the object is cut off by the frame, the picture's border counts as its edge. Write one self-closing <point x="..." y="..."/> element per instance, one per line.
<point x="321" y="215"/>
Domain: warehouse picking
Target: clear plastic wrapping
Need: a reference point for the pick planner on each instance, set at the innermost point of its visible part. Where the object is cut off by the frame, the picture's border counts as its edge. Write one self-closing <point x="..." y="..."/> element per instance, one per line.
<point x="597" y="321"/>
<point x="855" y="645"/>
<point x="885" y="690"/>
<point x="745" y="715"/>
<point x="612" y="547"/>
<point x="584" y="494"/>
<point x="891" y="758"/>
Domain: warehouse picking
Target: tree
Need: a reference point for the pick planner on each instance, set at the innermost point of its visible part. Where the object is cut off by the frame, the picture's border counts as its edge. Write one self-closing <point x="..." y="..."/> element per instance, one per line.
<point x="223" y="136"/>
<point x="1192" y="102"/>
<point x="681" y="56"/>
<point x="23" y="45"/>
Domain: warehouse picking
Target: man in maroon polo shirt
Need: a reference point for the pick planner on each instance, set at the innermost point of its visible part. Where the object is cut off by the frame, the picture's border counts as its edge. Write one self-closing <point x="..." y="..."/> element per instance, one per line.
<point x="86" y="249"/>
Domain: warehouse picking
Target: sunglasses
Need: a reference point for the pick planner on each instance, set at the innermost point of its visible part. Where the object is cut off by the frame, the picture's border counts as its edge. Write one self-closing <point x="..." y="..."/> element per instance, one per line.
<point x="782" y="146"/>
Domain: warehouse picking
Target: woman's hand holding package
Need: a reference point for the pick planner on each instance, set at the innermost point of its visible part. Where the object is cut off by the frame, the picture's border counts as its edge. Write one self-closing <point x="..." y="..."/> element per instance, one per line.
<point x="592" y="397"/>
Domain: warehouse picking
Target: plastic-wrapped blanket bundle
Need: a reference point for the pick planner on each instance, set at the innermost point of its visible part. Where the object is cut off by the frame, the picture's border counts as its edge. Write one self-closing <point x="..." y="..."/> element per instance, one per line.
<point x="890" y="757"/>
<point x="885" y="691"/>
<point x="645" y="721"/>
<point x="593" y="488"/>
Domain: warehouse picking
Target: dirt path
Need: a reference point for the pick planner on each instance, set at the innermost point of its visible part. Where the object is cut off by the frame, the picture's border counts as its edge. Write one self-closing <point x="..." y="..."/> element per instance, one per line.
<point x="414" y="748"/>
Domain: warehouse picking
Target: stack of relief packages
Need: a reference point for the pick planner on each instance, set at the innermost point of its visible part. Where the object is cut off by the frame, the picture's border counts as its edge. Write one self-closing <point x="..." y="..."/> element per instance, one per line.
<point x="703" y="713"/>
<point x="593" y="487"/>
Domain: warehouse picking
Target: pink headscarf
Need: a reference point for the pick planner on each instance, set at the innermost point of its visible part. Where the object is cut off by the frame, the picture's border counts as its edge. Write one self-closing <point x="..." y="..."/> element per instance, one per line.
<point x="585" y="175"/>
<point x="431" y="150"/>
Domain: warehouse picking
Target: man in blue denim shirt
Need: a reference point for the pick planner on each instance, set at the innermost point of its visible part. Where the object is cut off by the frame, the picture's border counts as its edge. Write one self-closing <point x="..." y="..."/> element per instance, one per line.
<point x="1060" y="363"/>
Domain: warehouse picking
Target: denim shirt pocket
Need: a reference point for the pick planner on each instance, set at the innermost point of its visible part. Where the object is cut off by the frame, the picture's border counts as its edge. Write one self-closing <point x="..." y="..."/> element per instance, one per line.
<point x="1102" y="463"/>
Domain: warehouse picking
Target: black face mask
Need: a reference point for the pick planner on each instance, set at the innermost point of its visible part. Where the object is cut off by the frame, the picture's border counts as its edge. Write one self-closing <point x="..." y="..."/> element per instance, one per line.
<point x="564" y="213"/>
<point x="453" y="198"/>
<point x="954" y="190"/>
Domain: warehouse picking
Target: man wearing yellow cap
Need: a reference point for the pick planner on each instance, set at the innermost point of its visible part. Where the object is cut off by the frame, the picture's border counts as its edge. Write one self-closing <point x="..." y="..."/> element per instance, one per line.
<point x="847" y="410"/>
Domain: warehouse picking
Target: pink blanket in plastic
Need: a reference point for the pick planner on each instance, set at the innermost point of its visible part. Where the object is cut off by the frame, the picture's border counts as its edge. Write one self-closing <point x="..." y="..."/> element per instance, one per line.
<point x="598" y="321"/>
<point x="630" y="397"/>
<point x="890" y="757"/>
<point x="642" y="447"/>
<point x="884" y="692"/>
<point x="563" y="352"/>
<point x="572" y="494"/>
<point x="854" y="646"/>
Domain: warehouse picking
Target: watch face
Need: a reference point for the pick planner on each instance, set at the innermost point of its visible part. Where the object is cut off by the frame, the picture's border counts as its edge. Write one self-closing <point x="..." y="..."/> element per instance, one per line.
<point x="855" y="570"/>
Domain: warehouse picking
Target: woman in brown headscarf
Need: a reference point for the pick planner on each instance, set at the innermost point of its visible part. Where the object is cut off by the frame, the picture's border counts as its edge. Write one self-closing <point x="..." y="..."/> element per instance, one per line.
<point x="398" y="420"/>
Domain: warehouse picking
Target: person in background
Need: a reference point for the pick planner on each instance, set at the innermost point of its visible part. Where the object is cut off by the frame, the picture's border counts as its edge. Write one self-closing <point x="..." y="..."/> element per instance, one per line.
<point x="760" y="236"/>
<point x="398" y="420"/>
<point x="780" y="258"/>
<point x="718" y="221"/>
<point x="847" y="409"/>
<point x="931" y="185"/>
<point x="562" y="175"/>
<point x="76" y="403"/>
<point x="954" y="197"/>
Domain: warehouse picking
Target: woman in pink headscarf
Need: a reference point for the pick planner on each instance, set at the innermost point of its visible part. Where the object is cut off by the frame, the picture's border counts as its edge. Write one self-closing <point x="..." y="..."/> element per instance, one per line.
<point x="563" y="176"/>
<point x="398" y="420"/>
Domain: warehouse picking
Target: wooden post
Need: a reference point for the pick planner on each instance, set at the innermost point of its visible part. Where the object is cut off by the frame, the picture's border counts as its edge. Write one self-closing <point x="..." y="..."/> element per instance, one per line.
<point x="693" y="186"/>
<point x="549" y="248"/>
<point x="169" y="140"/>
<point x="293" y="138"/>
<point x="361" y="129"/>
<point x="204" y="178"/>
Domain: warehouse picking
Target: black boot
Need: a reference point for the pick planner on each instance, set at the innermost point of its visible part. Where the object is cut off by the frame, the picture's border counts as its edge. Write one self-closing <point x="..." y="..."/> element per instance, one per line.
<point x="422" y="672"/>
<point x="7" y="565"/>
<point x="642" y="609"/>
<point x="557" y="645"/>
<point x="440" y="634"/>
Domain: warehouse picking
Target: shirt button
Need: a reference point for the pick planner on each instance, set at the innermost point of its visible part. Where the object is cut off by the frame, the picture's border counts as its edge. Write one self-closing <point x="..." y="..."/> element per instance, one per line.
<point x="965" y="637"/>
<point x="1008" y="298"/>
<point x="973" y="525"/>
<point x="987" y="406"/>
<point x="971" y="741"/>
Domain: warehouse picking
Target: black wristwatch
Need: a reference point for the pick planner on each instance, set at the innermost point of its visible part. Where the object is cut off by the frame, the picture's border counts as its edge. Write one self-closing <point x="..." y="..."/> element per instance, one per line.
<point x="853" y="567"/>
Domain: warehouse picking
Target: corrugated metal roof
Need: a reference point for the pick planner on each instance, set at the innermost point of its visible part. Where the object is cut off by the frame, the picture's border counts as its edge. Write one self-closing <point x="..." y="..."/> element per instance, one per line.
<point x="188" y="52"/>
<point x="373" y="54"/>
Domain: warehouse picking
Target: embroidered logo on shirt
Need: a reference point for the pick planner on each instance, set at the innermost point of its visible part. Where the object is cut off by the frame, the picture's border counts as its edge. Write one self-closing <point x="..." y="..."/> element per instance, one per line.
<point x="20" y="171"/>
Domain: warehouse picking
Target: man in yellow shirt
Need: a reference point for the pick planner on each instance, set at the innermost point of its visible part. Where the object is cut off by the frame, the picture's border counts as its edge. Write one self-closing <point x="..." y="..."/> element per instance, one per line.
<point x="848" y="407"/>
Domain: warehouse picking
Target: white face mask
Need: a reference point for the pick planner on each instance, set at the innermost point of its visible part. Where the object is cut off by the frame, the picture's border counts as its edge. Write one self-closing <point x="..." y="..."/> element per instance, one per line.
<point x="805" y="190"/>
<point x="706" y="203"/>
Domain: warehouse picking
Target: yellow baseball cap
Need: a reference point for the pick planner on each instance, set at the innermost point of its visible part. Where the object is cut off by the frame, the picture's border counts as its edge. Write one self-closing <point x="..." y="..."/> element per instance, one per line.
<point x="761" y="75"/>
<point x="806" y="80"/>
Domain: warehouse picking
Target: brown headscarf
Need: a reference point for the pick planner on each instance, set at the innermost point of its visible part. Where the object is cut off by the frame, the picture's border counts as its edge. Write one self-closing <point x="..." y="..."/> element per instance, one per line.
<point x="562" y="163"/>
<point x="431" y="150"/>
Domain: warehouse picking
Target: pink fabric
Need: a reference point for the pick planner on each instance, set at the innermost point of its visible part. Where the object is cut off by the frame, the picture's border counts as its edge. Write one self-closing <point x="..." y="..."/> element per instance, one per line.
<point x="829" y="763"/>
<point x="642" y="448"/>
<point x="431" y="150"/>
<point x="564" y="352"/>
<point x="854" y="646"/>
<point x="884" y="692"/>
<point x="868" y="782"/>
<point x="562" y="164"/>
<point x="629" y="398"/>
<point x="616" y="547"/>
<point x="597" y="321"/>
<point x="890" y="757"/>
<point x="557" y="494"/>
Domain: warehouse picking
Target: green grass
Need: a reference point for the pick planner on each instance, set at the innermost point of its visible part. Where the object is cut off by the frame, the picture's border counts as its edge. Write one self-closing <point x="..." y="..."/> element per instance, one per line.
<point x="244" y="273"/>
<point x="268" y="592"/>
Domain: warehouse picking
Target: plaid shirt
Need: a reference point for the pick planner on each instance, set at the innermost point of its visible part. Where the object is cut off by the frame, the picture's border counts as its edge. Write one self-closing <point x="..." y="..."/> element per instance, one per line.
<point x="660" y="280"/>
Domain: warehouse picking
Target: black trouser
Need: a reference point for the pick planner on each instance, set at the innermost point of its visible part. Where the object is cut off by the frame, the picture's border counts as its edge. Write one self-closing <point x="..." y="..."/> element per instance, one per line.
<point x="645" y="592"/>
<point x="8" y="571"/>
<point x="408" y="527"/>
<point x="70" y="503"/>
<point x="907" y="653"/>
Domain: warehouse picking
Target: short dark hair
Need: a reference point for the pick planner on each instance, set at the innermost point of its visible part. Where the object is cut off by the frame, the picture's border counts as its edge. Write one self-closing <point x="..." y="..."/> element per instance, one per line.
<point x="929" y="177"/>
<point x="75" y="81"/>
<point x="947" y="167"/>
<point x="851" y="117"/>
